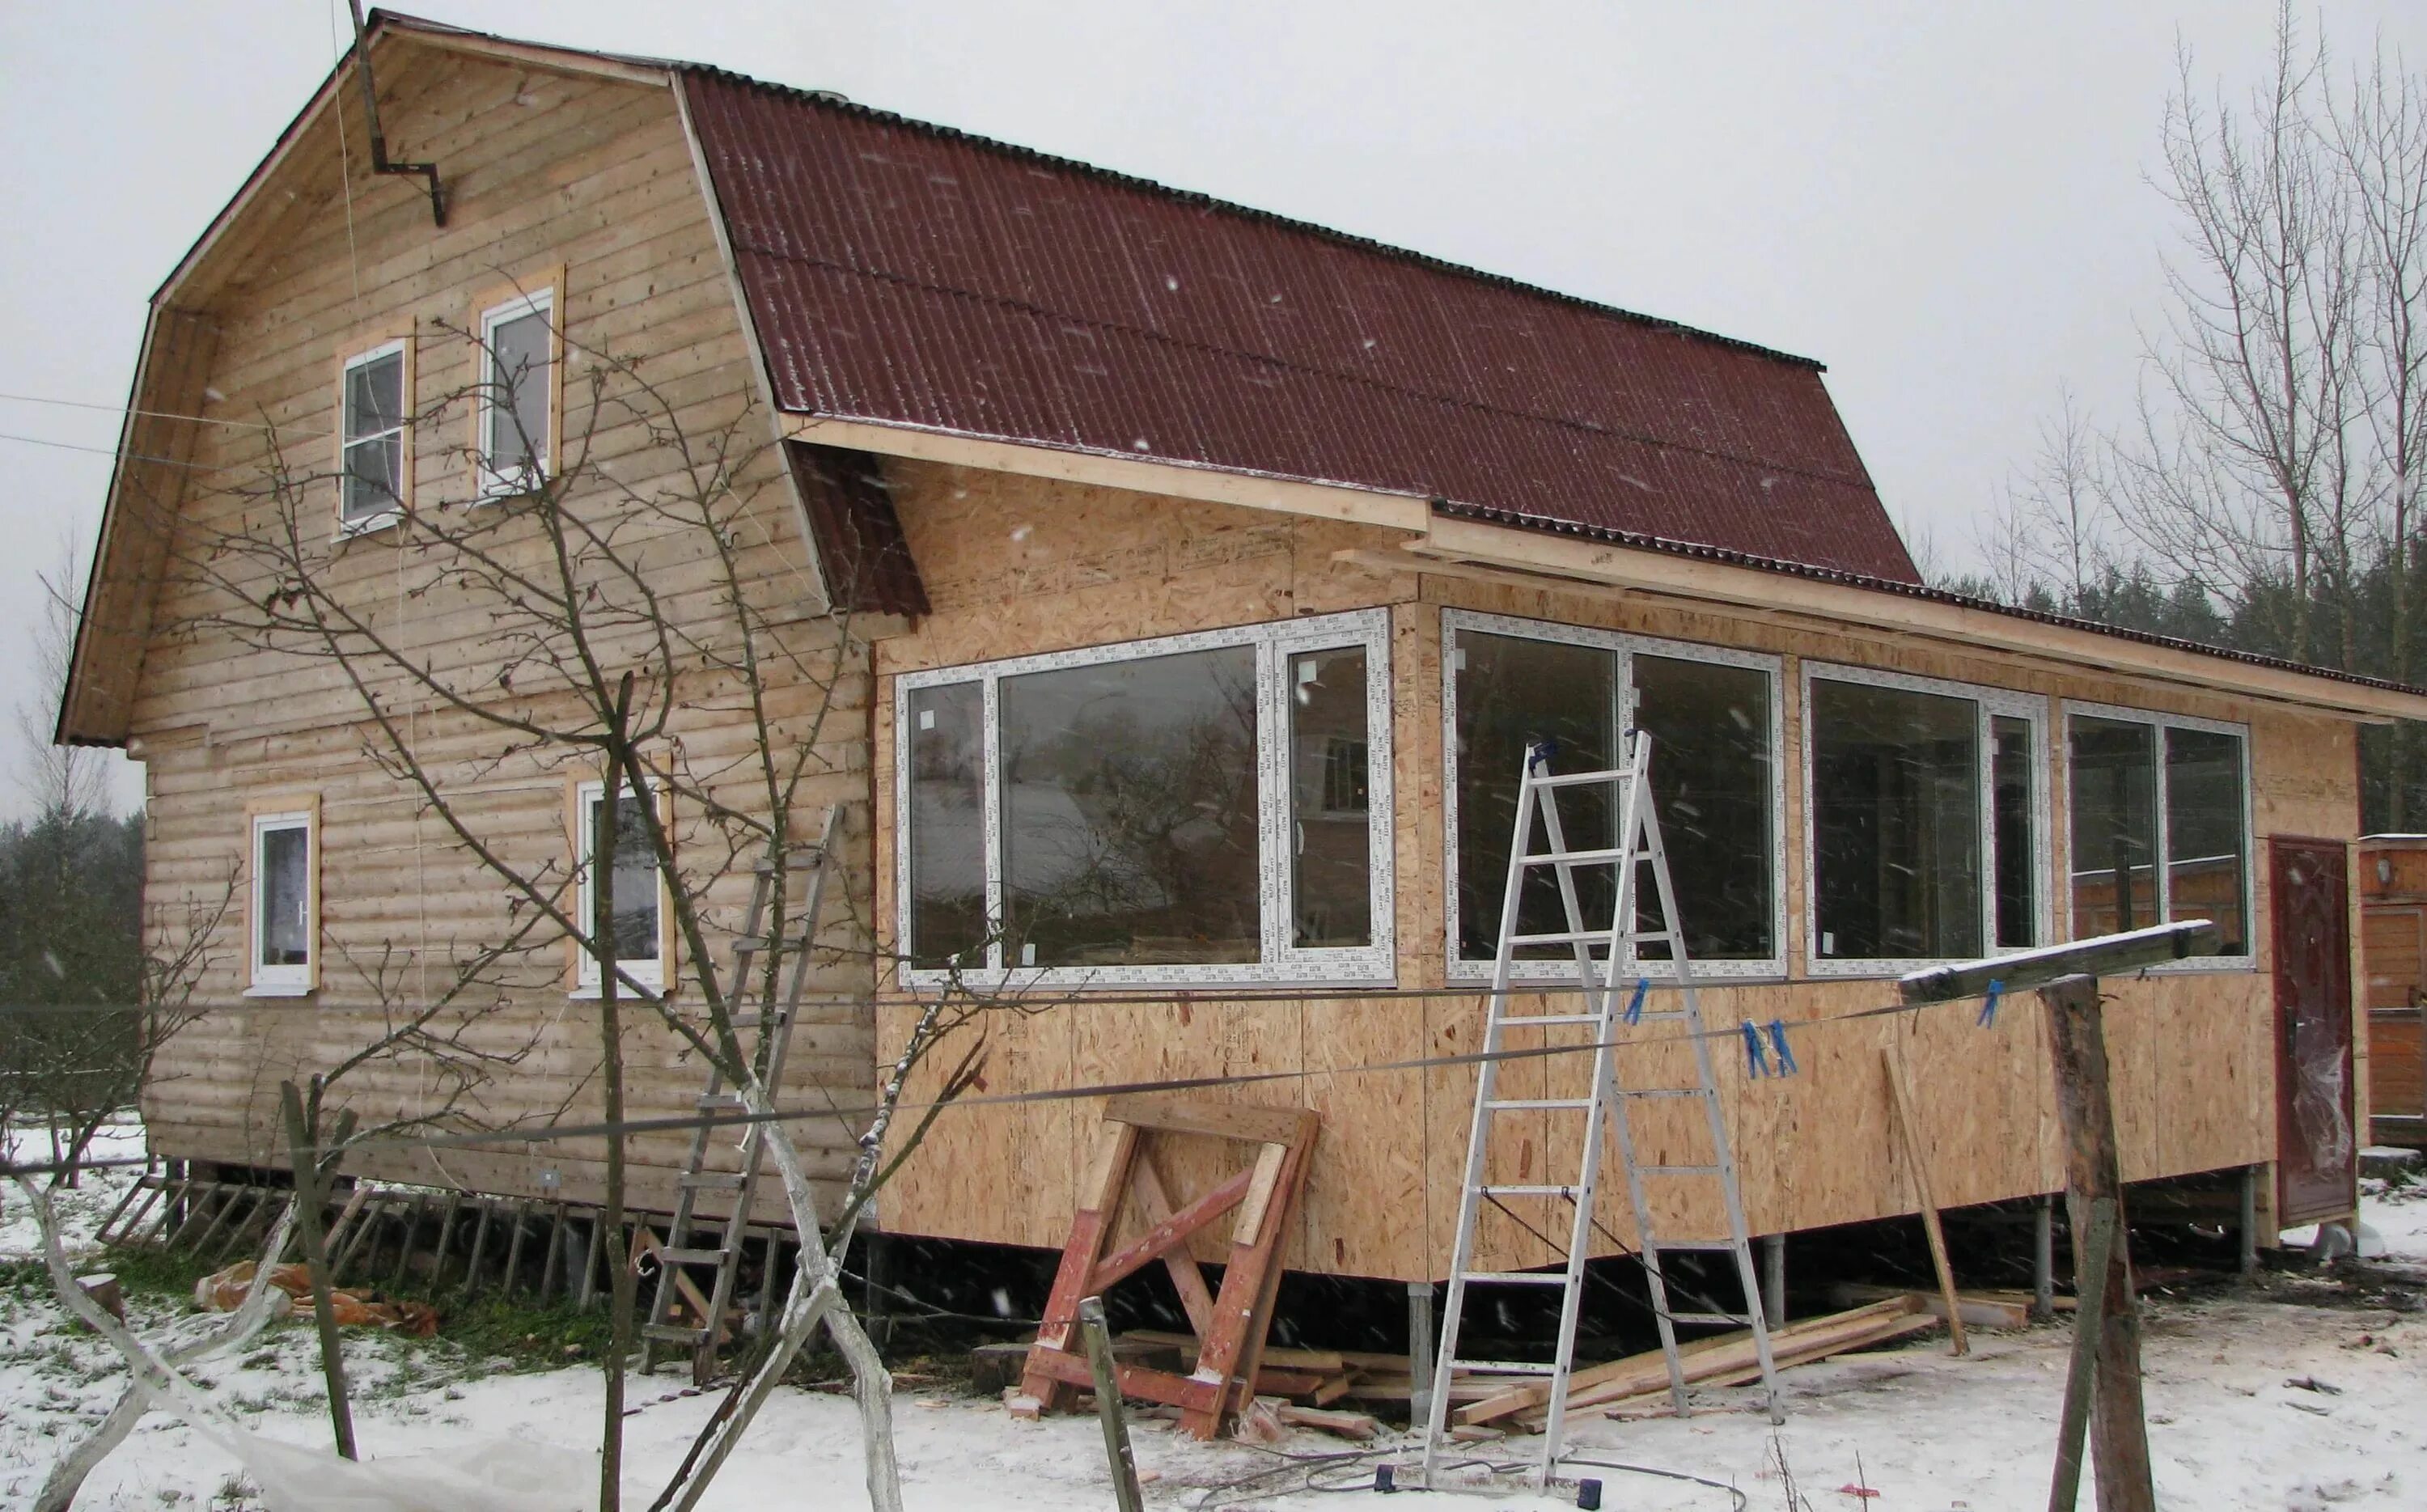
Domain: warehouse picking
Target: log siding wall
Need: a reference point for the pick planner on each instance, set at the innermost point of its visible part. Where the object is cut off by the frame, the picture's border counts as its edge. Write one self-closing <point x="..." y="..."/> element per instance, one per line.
<point x="586" y="187"/>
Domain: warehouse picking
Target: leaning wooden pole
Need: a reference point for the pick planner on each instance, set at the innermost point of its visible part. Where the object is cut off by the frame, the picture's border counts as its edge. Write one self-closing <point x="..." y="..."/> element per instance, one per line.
<point x="2119" y="1432"/>
<point x="2066" y="978"/>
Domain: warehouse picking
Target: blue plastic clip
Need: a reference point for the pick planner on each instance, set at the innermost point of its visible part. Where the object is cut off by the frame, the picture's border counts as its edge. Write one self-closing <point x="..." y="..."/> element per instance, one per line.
<point x="1989" y="1006"/>
<point x="1538" y="755"/>
<point x="1756" y="1059"/>
<point x="1635" y="1005"/>
<point x="1786" y="1065"/>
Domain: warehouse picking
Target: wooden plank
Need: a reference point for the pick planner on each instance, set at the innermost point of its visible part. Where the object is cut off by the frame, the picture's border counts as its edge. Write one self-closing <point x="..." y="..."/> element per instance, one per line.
<point x="1221" y="1120"/>
<point x="1154" y="1205"/>
<point x="1916" y="1156"/>
<point x="1172" y="1231"/>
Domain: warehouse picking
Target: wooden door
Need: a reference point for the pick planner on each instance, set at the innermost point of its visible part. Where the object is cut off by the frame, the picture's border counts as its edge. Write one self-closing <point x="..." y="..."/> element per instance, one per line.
<point x="2314" y="1148"/>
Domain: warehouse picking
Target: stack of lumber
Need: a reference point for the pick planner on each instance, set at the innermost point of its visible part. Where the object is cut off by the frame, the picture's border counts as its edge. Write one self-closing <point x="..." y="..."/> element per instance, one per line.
<point x="1309" y="1377"/>
<point x="1979" y="1309"/>
<point x="1723" y="1359"/>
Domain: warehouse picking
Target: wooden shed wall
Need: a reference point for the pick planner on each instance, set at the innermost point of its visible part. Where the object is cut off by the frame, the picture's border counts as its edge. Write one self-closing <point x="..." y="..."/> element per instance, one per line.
<point x="1018" y="565"/>
<point x="548" y="176"/>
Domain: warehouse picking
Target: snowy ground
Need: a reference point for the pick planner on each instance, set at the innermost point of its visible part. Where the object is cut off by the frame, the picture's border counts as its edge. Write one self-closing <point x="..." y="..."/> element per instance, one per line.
<point x="2230" y="1429"/>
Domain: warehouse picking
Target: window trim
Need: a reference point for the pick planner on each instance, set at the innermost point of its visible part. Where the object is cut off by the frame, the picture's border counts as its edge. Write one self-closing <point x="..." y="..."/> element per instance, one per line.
<point x="2248" y="960"/>
<point x="262" y="819"/>
<point x="1626" y="645"/>
<point x="1280" y="962"/>
<point x="1989" y="702"/>
<point x="402" y="346"/>
<point x="583" y="979"/>
<point x="546" y="298"/>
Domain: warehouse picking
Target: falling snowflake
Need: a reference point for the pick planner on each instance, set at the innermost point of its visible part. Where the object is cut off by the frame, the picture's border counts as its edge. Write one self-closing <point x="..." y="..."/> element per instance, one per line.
<point x="1171" y="282"/>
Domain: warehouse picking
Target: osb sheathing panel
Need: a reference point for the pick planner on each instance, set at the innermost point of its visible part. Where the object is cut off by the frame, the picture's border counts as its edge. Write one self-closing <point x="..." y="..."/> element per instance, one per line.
<point x="1022" y="565"/>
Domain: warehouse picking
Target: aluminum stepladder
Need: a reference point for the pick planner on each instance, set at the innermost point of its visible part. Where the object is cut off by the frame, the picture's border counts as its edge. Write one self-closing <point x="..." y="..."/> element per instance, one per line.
<point x="719" y="1257"/>
<point x="1638" y="847"/>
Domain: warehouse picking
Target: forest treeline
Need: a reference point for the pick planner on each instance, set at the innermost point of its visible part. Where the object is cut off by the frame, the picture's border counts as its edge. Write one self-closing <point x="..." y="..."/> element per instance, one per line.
<point x="2262" y="493"/>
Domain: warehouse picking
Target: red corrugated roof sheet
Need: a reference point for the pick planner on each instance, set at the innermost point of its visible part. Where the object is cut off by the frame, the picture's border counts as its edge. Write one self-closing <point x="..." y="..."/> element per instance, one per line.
<point x="909" y="274"/>
<point x="862" y="549"/>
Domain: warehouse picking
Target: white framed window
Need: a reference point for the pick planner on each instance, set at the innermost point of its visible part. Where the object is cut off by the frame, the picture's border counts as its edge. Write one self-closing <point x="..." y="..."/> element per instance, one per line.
<point x="373" y="404"/>
<point x="639" y="904"/>
<point x="2159" y="806"/>
<point x="1926" y="818"/>
<point x="283" y="916"/>
<point x="513" y="402"/>
<point x="1198" y="808"/>
<point x="1716" y="778"/>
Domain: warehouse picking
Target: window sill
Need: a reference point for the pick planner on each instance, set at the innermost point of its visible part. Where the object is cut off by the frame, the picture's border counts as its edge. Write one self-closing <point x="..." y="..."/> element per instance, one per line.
<point x="280" y="989"/>
<point x="369" y="525"/>
<point x="591" y="992"/>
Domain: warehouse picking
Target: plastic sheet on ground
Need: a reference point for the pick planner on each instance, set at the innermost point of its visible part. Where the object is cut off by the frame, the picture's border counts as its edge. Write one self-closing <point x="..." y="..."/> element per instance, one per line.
<point x="492" y="1476"/>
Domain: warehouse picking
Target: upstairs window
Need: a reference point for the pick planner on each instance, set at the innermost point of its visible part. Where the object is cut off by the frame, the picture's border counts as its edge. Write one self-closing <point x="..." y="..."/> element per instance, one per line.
<point x="371" y="440"/>
<point x="283" y="904"/>
<point x="1206" y="808"/>
<point x="1924" y="811"/>
<point x="2161" y="830"/>
<point x="514" y="404"/>
<point x="639" y="936"/>
<point x="1712" y="715"/>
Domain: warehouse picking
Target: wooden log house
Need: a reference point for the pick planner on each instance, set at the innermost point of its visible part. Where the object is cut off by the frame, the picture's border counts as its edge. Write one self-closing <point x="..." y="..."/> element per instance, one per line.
<point x="1209" y="570"/>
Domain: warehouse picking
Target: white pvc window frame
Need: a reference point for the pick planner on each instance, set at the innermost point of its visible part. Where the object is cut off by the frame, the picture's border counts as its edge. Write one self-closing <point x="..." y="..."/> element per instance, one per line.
<point x="282" y="979"/>
<point x="493" y="482"/>
<point x="649" y="976"/>
<point x="393" y="510"/>
<point x="1280" y="961"/>
<point x="1987" y="703"/>
<point x="1626" y="647"/>
<point x="2159" y="724"/>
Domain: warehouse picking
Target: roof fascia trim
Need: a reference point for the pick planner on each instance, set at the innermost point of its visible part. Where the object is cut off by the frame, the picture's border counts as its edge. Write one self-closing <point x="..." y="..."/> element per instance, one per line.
<point x="1522" y="548"/>
<point x="1409" y="512"/>
<point x="778" y="428"/>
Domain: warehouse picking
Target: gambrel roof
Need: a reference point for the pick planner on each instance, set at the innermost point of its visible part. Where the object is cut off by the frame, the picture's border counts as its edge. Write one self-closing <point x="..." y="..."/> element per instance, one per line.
<point x="912" y="290"/>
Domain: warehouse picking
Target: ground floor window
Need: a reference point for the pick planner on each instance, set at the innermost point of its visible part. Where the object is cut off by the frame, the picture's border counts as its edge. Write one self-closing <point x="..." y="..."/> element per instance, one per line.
<point x="283" y="903"/>
<point x="1923" y="804"/>
<point x="1212" y="806"/>
<point x="2160" y="822"/>
<point x="1712" y="715"/>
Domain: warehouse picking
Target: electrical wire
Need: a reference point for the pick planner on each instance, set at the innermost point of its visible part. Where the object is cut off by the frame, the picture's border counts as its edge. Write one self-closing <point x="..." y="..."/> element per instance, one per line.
<point x="157" y="415"/>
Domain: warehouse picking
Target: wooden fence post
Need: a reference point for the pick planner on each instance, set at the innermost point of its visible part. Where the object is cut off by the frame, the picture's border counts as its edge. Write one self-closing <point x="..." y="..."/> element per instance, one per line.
<point x="2119" y="1433"/>
<point x="1108" y="1404"/>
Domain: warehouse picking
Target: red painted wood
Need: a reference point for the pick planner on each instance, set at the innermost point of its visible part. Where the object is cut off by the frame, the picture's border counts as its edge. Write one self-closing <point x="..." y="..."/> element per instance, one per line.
<point x="1170" y="1233"/>
<point x="2316" y="1147"/>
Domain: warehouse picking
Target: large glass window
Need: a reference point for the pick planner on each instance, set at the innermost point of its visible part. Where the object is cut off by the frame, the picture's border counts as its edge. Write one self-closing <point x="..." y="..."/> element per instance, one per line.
<point x="638" y="938"/>
<point x="1923" y="804"/>
<point x="1206" y="808"/>
<point x="1712" y="721"/>
<point x="2149" y="786"/>
<point x="946" y="743"/>
<point x="372" y="443"/>
<point x="1330" y="759"/>
<point x="1130" y="811"/>
<point x="283" y="902"/>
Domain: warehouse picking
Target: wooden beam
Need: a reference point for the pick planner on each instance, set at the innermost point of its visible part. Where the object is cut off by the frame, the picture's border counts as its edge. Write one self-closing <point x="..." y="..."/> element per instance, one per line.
<point x="2028" y="969"/>
<point x="1255" y="491"/>
<point x="1222" y="1120"/>
<point x="2119" y="1432"/>
<point x="1916" y="1156"/>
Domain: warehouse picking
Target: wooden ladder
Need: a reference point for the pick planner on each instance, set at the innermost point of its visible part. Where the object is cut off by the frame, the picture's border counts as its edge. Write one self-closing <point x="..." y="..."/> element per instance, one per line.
<point x="697" y="1246"/>
<point x="1601" y="954"/>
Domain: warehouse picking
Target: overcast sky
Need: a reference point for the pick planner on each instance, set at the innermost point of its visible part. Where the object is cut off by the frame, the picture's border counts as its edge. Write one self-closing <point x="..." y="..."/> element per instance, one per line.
<point x="1947" y="203"/>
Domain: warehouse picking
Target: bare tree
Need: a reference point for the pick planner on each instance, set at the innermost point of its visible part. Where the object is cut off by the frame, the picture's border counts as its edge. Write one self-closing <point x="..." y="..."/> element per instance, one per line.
<point x="635" y="620"/>
<point x="62" y="781"/>
<point x="2379" y="131"/>
<point x="2245" y="467"/>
